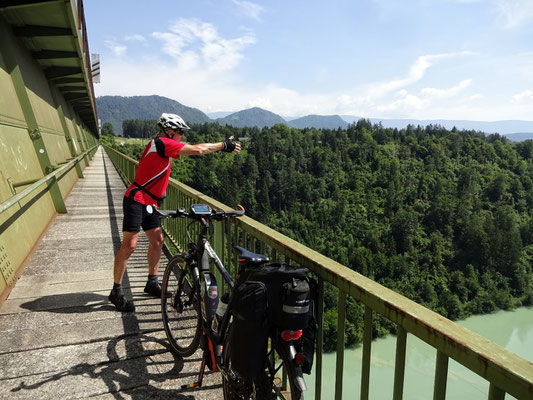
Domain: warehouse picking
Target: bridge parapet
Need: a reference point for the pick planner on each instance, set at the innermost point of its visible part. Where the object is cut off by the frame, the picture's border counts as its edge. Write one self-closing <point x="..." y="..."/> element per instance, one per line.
<point x="505" y="371"/>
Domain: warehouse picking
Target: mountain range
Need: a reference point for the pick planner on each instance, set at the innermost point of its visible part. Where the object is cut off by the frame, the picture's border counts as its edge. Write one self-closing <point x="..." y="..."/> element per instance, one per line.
<point x="115" y="109"/>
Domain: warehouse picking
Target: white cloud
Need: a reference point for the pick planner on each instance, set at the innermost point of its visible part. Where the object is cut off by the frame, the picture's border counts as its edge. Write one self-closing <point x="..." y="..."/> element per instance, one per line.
<point x="416" y="73"/>
<point x="118" y="49"/>
<point x="135" y="38"/>
<point x="475" y="97"/>
<point x="446" y="93"/>
<point x="250" y="9"/>
<point x="409" y="104"/>
<point x="194" y="43"/>
<point x="515" y="13"/>
<point x="405" y="104"/>
<point x="261" y="102"/>
<point x="526" y="95"/>
<point x="376" y="97"/>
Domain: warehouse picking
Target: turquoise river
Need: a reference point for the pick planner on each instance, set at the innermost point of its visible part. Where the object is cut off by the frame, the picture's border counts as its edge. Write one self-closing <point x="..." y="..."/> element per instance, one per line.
<point x="510" y="329"/>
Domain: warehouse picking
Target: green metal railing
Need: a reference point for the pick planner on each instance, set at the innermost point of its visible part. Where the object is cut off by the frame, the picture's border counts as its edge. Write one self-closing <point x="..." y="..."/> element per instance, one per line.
<point x="505" y="371"/>
<point x="48" y="179"/>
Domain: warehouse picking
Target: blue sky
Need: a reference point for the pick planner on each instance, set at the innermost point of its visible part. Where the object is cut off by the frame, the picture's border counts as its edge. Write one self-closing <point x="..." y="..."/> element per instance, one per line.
<point x="422" y="59"/>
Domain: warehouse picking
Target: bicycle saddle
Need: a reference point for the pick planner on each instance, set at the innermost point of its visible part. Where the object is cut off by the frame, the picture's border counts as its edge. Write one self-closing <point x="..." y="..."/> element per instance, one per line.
<point x="250" y="258"/>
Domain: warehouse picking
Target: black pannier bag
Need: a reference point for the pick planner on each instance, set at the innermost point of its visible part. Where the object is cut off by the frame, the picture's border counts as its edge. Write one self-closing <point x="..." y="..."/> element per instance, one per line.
<point x="288" y="294"/>
<point x="249" y="331"/>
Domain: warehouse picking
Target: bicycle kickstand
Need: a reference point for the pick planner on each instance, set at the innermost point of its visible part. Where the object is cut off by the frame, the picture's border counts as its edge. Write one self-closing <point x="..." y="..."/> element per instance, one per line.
<point x="198" y="383"/>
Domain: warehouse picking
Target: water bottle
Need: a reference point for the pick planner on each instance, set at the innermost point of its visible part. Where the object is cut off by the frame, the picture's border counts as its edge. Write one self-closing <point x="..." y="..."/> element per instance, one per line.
<point x="210" y="296"/>
<point x="221" y="309"/>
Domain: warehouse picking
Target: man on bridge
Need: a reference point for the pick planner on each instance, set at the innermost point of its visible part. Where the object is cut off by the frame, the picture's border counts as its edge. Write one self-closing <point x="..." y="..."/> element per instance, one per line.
<point x="148" y="188"/>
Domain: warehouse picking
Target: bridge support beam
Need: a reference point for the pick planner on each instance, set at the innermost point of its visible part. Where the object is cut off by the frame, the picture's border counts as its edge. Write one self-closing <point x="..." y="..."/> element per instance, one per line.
<point x="14" y="71"/>
<point x="64" y="125"/>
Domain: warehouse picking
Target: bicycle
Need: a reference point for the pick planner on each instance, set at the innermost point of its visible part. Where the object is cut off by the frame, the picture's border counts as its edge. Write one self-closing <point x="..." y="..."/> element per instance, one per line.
<point x="189" y="303"/>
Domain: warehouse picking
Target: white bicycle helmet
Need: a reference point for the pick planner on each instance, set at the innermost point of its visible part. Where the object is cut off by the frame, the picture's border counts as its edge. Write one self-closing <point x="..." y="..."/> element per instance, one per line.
<point x="172" y="121"/>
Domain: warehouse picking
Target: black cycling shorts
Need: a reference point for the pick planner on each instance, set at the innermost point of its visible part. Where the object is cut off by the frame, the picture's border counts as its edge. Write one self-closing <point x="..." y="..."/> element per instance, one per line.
<point x="136" y="216"/>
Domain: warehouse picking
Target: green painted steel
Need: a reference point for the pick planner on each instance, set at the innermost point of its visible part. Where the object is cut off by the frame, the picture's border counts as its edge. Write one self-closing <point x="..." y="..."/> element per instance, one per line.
<point x="441" y="375"/>
<point x="495" y="393"/>
<point x="34" y="131"/>
<point x="341" y="326"/>
<point x="319" y="339"/>
<point x="52" y="176"/>
<point x="42" y="133"/>
<point x="399" y="367"/>
<point x="367" y="351"/>
<point x="506" y="371"/>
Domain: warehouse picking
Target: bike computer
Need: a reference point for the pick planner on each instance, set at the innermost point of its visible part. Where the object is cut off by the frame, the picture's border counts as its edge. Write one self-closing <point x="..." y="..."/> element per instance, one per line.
<point x="201" y="209"/>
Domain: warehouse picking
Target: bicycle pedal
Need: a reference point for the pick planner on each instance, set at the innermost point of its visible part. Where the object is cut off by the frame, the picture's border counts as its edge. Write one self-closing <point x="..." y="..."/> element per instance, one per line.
<point x="191" y="385"/>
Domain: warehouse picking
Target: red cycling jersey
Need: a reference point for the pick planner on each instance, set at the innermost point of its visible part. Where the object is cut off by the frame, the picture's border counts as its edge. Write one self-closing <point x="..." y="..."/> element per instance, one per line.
<point x="153" y="171"/>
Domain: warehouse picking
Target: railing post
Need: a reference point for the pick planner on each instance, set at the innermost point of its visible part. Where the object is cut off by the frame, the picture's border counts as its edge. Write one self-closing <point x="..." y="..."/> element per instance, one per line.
<point x="441" y="376"/>
<point x="399" y="367"/>
<point x="319" y="339"/>
<point x="367" y="347"/>
<point x="341" y="325"/>
<point x="495" y="393"/>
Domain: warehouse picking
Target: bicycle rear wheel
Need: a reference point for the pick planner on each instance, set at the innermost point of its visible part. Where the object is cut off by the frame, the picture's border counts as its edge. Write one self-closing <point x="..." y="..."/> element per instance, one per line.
<point x="269" y="385"/>
<point x="181" y="308"/>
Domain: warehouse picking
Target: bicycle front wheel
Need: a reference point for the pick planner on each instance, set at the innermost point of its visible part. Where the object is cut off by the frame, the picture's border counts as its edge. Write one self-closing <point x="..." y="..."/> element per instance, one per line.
<point x="180" y="306"/>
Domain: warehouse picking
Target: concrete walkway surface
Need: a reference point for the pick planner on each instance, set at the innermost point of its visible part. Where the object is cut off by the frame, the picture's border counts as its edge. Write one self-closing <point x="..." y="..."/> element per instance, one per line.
<point x="59" y="335"/>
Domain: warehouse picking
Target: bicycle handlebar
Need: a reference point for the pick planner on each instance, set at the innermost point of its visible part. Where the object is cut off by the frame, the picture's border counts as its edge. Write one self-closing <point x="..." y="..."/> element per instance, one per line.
<point x="217" y="215"/>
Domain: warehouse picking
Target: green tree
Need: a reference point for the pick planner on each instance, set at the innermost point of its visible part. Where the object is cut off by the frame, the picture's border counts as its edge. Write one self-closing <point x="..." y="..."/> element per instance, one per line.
<point x="107" y="129"/>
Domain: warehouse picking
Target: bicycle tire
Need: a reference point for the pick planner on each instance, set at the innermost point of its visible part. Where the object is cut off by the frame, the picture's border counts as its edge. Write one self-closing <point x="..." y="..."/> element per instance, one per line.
<point x="181" y="310"/>
<point x="268" y="385"/>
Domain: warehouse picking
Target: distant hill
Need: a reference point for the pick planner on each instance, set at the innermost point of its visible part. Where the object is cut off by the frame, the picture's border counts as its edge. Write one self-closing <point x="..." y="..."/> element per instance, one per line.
<point x="502" y="127"/>
<point x="219" y="114"/>
<point x="319" y="122"/>
<point x="252" y="117"/>
<point x="520" y="136"/>
<point x="115" y="109"/>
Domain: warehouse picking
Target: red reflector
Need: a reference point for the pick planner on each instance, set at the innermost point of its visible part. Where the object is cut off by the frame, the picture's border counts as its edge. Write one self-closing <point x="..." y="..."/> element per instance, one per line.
<point x="291" y="335"/>
<point x="241" y="260"/>
<point x="299" y="358"/>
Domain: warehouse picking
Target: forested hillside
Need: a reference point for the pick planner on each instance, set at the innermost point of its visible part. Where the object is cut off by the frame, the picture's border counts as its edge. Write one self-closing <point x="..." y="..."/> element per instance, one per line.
<point x="252" y="117"/>
<point x="115" y="109"/>
<point x="443" y="217"/>
<point x="319" y="122"/>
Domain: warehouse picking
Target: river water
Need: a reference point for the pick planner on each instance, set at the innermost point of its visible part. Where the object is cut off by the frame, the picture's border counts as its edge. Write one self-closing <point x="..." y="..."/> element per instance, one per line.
<point x="510" y="329"/>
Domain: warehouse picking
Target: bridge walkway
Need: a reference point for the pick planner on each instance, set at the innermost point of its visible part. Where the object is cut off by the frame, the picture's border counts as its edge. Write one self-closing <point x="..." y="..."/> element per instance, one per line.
<point x="59" y="335"/>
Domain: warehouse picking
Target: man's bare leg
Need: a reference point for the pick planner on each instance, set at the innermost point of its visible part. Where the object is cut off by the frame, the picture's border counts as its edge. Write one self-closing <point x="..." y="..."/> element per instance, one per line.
<point x="156" y="239"/>
<point x="129" y="243"/>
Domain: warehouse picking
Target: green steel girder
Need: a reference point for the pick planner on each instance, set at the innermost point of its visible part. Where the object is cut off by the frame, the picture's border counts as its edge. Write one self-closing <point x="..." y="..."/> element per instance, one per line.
<point x="36" y="30"/>
<point x="22" y="3"/>
<point x="61" y="81"/>
<point x="62" y="119"/>
<point x="65" y="89"/>
<point x="50" y="54"/>
<point x="61" y="72"/>
<point x="13" y="68"/>
<point x="54" y="32"/>
<point x="75" y="96"/>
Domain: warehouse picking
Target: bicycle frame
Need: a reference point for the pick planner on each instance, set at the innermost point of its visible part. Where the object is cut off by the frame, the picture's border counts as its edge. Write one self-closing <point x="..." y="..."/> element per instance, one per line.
<point x="197" y="262"/>
<point x="202" y="254"/>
